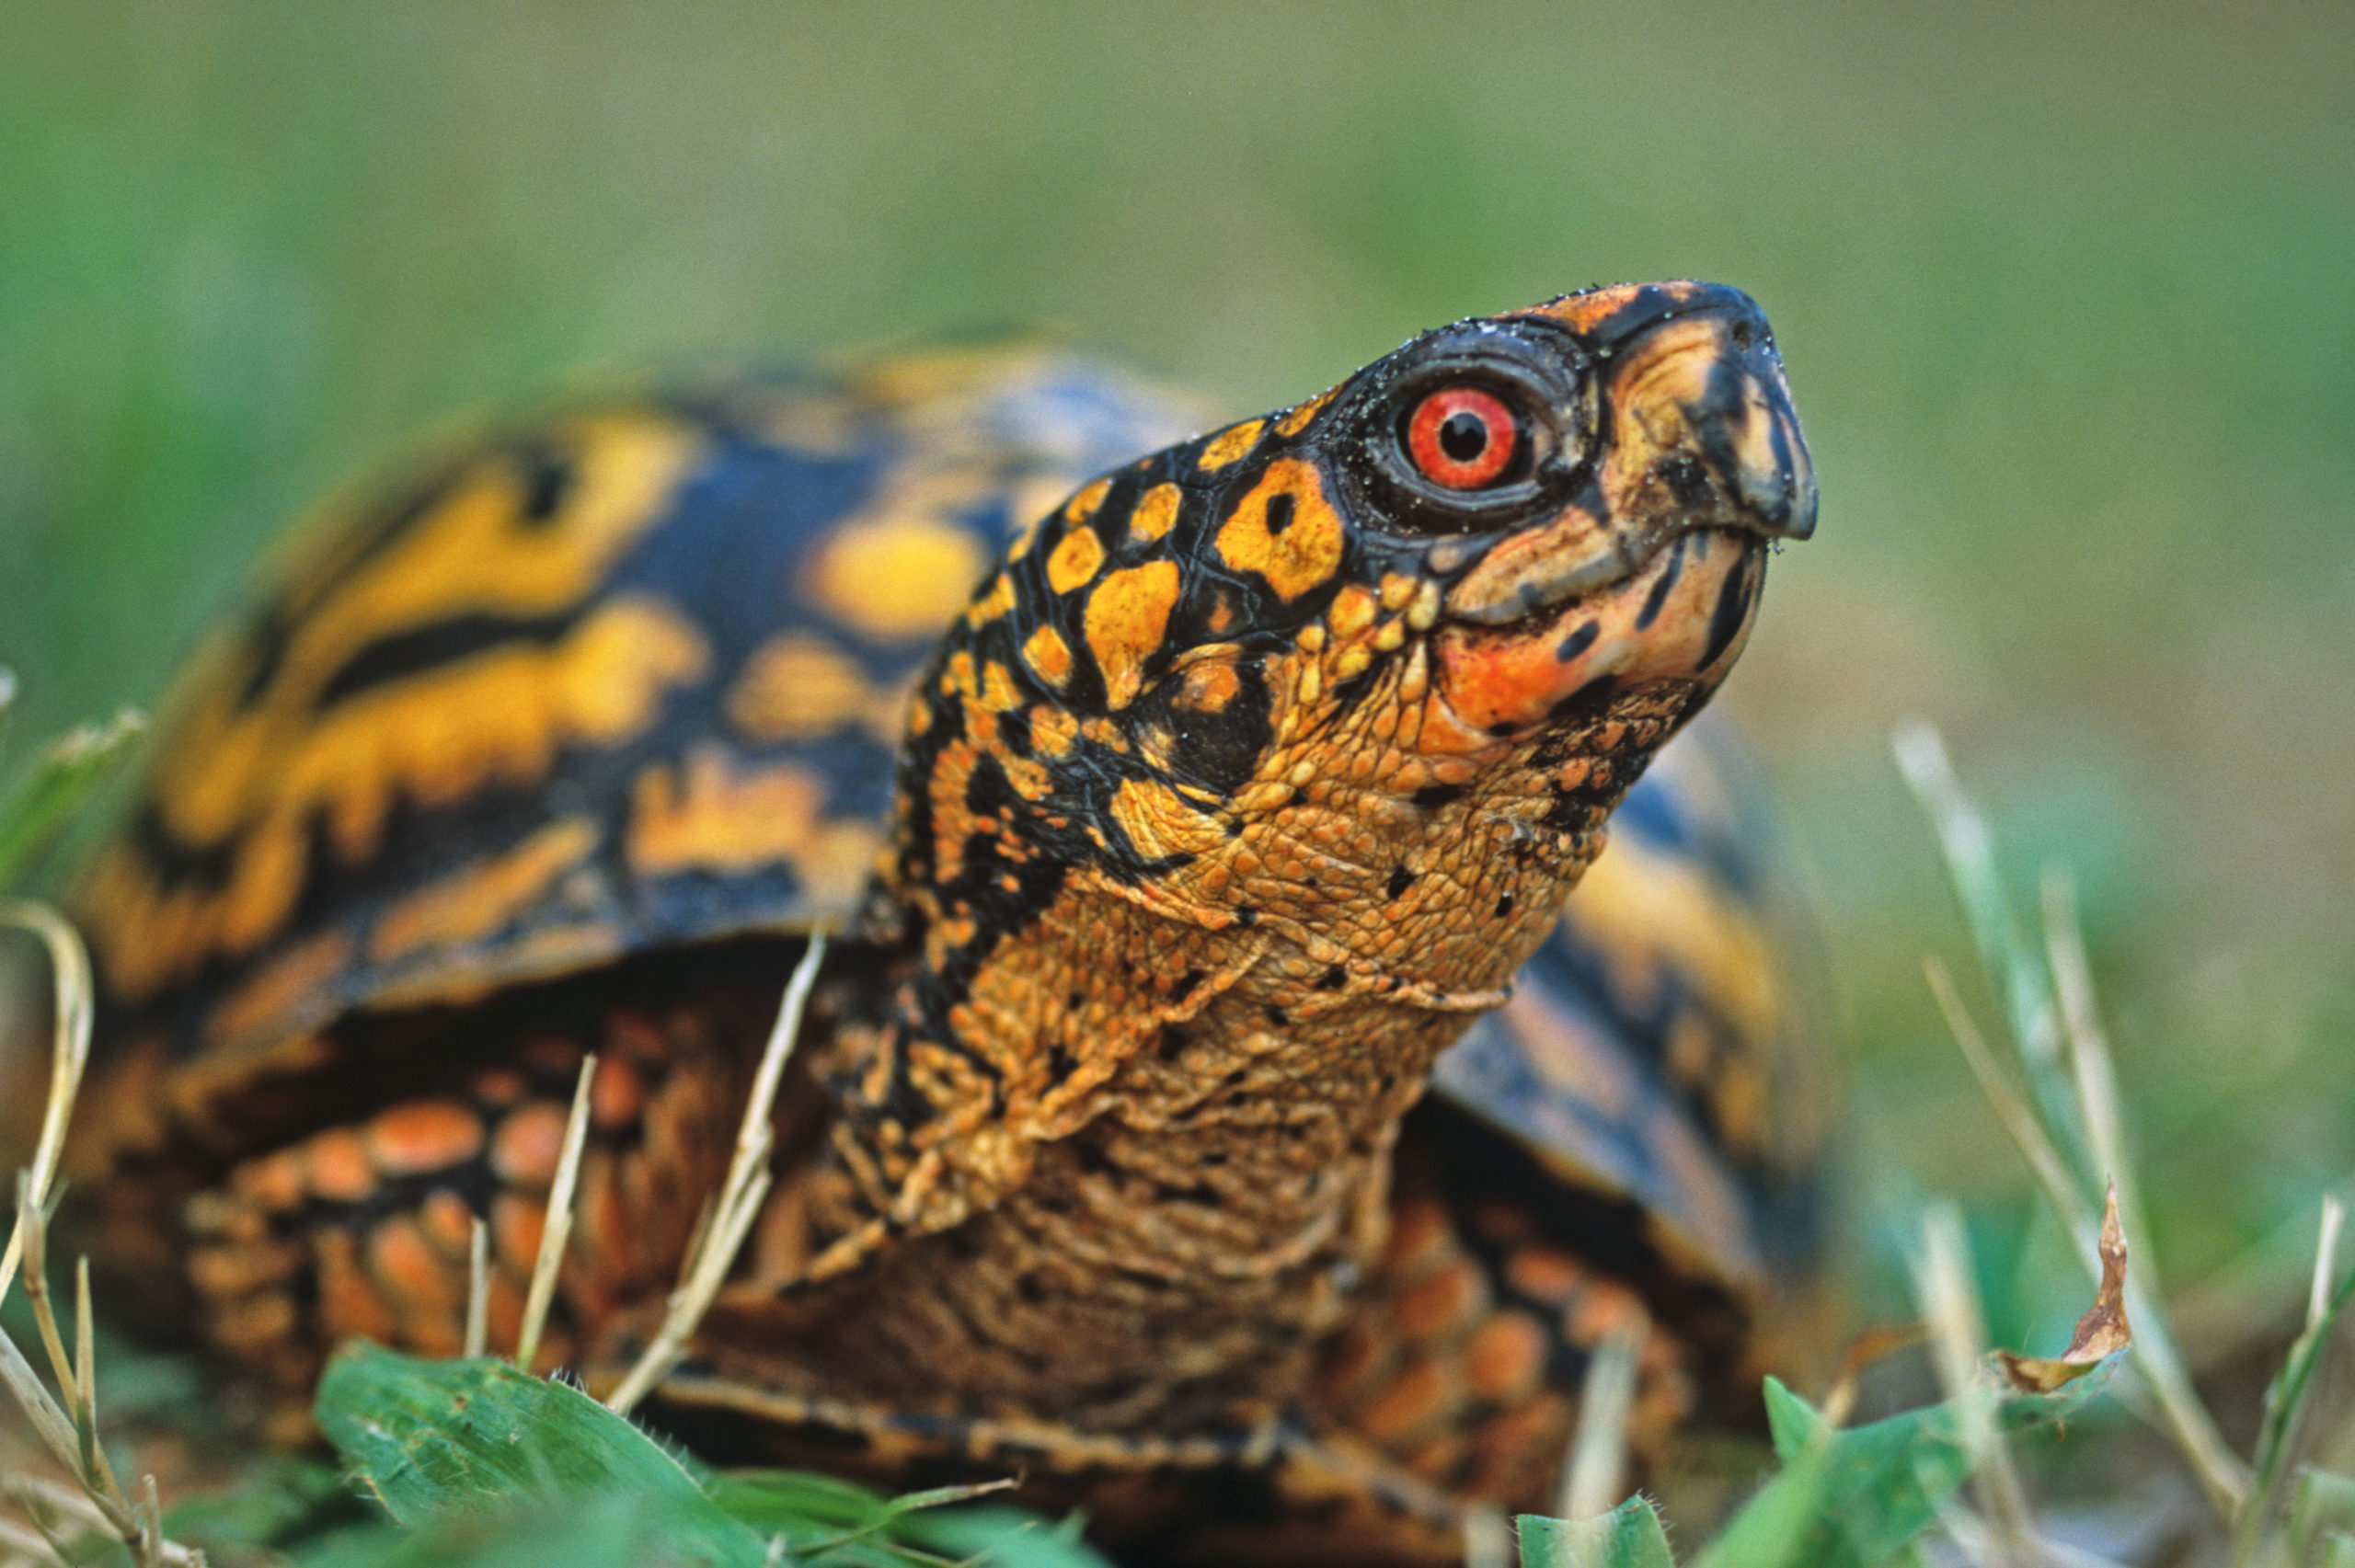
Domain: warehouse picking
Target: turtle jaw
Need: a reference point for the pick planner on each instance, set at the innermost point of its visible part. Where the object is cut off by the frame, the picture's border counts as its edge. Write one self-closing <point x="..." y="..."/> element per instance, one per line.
<point x="1652" y="570"/>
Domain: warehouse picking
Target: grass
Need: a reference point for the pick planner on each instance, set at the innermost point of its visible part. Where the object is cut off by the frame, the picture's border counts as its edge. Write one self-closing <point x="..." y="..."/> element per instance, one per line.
<point x="476" y="1461"/>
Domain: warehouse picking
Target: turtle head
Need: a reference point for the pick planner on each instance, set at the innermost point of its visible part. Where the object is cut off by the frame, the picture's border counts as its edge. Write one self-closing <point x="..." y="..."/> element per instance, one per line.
<point x="1498" y="566"/>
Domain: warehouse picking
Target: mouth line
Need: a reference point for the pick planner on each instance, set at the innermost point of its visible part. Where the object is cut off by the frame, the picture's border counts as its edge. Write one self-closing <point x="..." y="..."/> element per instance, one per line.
<point x="1543" y="600"/>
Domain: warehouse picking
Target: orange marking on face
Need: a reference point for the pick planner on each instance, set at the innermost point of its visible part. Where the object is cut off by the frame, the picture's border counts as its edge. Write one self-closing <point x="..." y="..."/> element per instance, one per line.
<point x="526" y="1149"/>
<point x="419" y="1136"/>
<point x="1076" y="560"/>
<point x="1230" y="444"/>
<point x="902" y="577"/>
<point x="730" y="819"/>
<point x="1300" y="547"/>
<point x="795" y="686"/>
<point x="1047" y="656"/>
<point x="1293" y="423"/>
<point x="338" y="1166"/>
<point x="1124" y="622"/>
<point x="474" y="903"/>
<point x="290" y="986"/>
<point x="1419" y="1234"/>
<point x="1155" y="511"/>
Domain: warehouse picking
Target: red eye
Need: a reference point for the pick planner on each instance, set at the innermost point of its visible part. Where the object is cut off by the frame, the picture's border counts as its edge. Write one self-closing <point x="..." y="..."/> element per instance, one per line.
<point x="1461" y="438"/>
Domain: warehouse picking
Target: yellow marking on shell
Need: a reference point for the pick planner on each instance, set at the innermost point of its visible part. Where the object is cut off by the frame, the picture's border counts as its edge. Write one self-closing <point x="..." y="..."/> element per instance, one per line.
<point x="903" y="577"/>
<point x="287" y="992"/>
<point x="727" y="820"/>
<point x="1306" y="552"/>
<point x="1159" y="822"/>
<point x="1292" y="424"/>
<point x="1649" y="912"/>
<point x="478" y="900"/>
<point x="434" y="738"/>
<point x="1022" y="543"/>
<point x="1047" y="656"/>
<point x="993" y="605"/>
<point x="796" y="685"/>
<point x="1230" y="444"/>
<point x="1076" y="560"/>
<point x="1155" y="511"/>
<point x="466" y="554"/>
<point x="1083" y="505"/>
<point x="1125" y="621"/>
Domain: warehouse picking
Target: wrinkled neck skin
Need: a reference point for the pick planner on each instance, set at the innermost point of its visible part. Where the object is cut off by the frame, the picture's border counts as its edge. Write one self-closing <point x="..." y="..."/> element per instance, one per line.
<point x="1140" y="1088"/>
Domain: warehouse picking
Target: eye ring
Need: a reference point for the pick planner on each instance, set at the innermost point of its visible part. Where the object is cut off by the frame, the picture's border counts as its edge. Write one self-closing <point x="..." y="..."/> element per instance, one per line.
<point x="1463" y="437"/>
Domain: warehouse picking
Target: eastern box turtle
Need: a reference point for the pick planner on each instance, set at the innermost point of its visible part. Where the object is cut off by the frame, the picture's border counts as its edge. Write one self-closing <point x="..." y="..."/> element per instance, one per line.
<point x="1245" y="782"/>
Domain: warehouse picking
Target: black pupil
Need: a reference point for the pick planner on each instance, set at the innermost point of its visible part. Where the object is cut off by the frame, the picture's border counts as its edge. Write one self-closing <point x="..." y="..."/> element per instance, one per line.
<point x="1464" y="436"/>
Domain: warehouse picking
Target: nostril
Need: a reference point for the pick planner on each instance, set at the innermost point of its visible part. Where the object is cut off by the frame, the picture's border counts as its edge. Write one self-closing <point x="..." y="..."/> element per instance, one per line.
<point x="1745" y="334"/>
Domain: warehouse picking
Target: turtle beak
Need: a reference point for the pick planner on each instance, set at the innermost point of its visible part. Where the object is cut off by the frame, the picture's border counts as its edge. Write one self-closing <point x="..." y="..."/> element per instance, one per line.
<point x="1697" y="432"/>
<point x="1701" y="415"/>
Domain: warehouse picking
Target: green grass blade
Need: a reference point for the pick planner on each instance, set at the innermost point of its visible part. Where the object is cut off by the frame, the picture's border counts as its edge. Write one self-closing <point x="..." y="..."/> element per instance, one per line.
<point x="1627" y="1537"/>
<point x="435" y="1440"/>
<point x="44" y="800"/>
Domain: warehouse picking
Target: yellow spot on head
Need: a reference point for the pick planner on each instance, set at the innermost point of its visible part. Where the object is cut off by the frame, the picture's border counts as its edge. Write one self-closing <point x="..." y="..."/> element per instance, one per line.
<point x="992" y="604"/>
<point x="1125" y="621"/>
<point x="1292" y="424"/>
<point x="1230" y="444"/>
<point x="1156" y="510"/>
<point x="1076" y="560"/>
<point x="904" y="578"/>
<point x="1081" y="506"/>
<point x="1047" y="656"/>
<point x="1352" y="610"/>
<point x="1302" y="549"/>
<point x="796" y="685"/>
<point x="1210" y="686"/>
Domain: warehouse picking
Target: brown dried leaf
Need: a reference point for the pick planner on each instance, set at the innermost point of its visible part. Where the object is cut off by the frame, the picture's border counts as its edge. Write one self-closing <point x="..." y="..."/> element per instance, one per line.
<point x="2101" y="1334"/>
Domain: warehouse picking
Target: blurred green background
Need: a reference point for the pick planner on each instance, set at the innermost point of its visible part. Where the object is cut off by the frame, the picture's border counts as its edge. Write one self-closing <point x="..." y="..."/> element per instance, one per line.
<point x="2064" y="291"/>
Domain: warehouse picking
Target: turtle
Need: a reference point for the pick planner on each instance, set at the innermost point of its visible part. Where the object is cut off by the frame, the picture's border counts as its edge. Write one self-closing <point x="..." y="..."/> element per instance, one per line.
<point x="1215" y="1104"/>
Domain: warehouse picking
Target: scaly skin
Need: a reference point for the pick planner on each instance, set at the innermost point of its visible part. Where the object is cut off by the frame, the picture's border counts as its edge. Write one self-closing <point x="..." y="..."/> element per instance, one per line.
<point x="1252" y="776"/>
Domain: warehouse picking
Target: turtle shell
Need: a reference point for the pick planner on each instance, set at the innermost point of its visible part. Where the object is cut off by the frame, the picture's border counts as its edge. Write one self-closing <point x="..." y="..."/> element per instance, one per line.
<point x="632" y="677"/>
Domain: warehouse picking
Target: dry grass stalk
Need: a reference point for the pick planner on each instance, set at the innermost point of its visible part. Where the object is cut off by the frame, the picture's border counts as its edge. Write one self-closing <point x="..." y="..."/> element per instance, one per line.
<point x="2334" y="1214"/>
<point x="477" y="1290"/>
<point x="730" y="1220"/>
<point x="2053" y="1007"/>
<point x="1594" y="1478"/>
<point x="1487" y="1537"/>
<point x="556" y="1233"/>
<point x="68" y="1429"/>
<point x="1950" y="1307"/>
